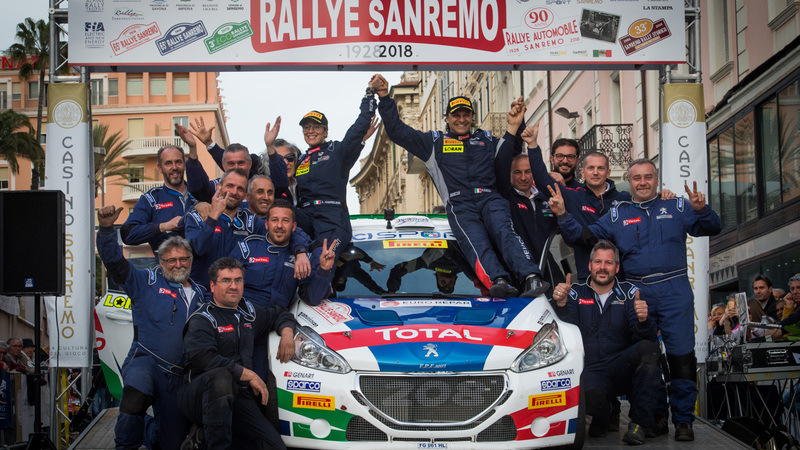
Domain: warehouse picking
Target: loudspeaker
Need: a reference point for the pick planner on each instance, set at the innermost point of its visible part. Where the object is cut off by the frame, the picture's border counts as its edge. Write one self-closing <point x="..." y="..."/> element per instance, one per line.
<point x="748" y="430"/>
<point x="32" y="243"/>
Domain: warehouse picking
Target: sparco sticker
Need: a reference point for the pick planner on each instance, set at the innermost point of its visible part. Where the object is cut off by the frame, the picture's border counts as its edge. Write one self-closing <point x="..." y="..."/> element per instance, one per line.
<point x="303" y="385"/>
<point x="556" y="385"/>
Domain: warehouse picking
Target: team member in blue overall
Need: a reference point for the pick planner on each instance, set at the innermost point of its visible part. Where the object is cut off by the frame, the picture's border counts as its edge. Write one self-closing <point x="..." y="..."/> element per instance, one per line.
<point x="162" y="299"/>
<point x="159" y="212"/>
<point x="322" y="174"/>
<point x="222" y="389"/>
<point x="235" y="156"/>
<point x="532" y="217"/>
<point x="586" y="203"/>
<point x="651" y="236"/>
<point x="619" y="341"/>
<point x="461" y="165"/>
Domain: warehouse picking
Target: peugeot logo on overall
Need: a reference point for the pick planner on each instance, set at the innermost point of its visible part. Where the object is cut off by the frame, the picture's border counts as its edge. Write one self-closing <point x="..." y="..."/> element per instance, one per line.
<point x="662" y="211"/>
<point x="431" y="348"/>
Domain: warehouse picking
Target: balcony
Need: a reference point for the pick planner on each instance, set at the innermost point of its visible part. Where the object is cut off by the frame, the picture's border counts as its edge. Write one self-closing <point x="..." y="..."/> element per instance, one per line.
<point x="613" y="140"/>
<point x="147" y="147"/>
<point x="132" y="191"/>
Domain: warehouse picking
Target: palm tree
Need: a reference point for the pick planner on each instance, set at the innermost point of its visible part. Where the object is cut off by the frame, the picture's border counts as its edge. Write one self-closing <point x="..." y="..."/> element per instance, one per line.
<point x="17" y="140"/>
<point x="110" y="165"/>
<point x="32" y="50"/>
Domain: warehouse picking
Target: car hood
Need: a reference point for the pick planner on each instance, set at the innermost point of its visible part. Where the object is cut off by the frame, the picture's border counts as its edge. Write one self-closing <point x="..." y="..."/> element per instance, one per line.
<point x="421" y="335"/>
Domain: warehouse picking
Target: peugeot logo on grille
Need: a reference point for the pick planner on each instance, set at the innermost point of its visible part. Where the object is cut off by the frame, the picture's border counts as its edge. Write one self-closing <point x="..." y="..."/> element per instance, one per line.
<point x="431" y="348"/>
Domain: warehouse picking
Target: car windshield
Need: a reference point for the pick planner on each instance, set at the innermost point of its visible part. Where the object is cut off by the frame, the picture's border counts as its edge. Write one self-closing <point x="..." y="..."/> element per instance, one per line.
<point x="404" y="268"/>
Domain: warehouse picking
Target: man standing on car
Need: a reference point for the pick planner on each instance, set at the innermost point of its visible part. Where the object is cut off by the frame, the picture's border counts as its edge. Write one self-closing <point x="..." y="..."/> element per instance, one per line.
<point x="461" y="165"/>
<point x="159" y="212"/>
<point x="221" y="384"/>
<point x="162" y="299"/>
<point x="650" y="234"/>
<point x="619" y="340"/>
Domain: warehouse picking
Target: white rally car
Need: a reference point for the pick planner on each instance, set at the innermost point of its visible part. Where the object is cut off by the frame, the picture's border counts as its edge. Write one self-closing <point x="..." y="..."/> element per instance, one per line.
<point x="411" y="355"/>
<point x="414" y="356"/>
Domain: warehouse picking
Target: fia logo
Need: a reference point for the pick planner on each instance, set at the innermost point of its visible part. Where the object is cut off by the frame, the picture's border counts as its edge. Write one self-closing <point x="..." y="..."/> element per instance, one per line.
<point x="432" y="350"/>
<point x="94" y="26"/>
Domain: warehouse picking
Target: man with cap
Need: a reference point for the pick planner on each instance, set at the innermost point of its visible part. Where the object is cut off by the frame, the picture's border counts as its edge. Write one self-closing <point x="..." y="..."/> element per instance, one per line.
<point x="461" y="164"/>
<point x="322" y="174"/>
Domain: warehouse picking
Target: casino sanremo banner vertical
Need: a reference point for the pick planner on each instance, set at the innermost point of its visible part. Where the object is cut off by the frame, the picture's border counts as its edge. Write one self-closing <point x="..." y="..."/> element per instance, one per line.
<point x="683" y="161"/>
<point x="251" y="34"/>
<point x="67" y="169"/>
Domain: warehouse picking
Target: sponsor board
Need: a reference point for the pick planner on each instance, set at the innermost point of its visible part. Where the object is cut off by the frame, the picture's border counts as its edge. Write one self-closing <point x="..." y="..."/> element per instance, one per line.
<point x="642" y="34"/>
<point x="333" y="312"/>
<point x="308" y="401"/>
<point x="303" y="385"/>
<point x="415" y="243"/>
<point x="425" y="303"/>
<point x="558" y="384"/>
<point x="547" y="400"/>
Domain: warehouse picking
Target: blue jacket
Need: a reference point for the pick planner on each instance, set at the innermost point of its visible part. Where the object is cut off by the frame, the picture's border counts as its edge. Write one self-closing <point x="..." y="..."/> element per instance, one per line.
<point x="160" y="308"/>
<point x="269" y="273"/>
<point x="322" y="172"/>
<point x="460" y="166"/>
<point x="212" y="239"/>
<point x="650" y="236"/>
<point x="155" y="206"/>
<point x="610" y="330"/>
<point x="199" y="185"/>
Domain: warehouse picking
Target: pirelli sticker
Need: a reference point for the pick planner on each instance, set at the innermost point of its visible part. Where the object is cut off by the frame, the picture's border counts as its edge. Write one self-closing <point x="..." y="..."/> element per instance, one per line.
<point x="308" y="401"/>
<point x="302" y="169"/>
<point x="415" y="243"/>
<point x="453" y="146"/>
<point x="547" y="400"/>
<point x="117" y="301"/>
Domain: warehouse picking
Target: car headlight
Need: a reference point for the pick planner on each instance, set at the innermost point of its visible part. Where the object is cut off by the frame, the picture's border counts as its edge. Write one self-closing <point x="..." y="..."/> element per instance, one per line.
<point x="310" y="351"/>
<point x="546" y="349"/>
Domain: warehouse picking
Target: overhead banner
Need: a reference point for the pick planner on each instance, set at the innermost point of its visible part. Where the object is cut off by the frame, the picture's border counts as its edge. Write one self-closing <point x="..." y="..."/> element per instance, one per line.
<point x="683" y="162"/>
<point x="252" y="34"/>
<point x="67" y="162"/>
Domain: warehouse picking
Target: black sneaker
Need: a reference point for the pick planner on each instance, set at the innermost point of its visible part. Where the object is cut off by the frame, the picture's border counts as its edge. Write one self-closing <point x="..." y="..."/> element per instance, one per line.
<point x="597" y="429"/>
<point x="534" y="286"/>
<point x="661" y="428"/>
<point x="613" y="423"/>
<point x="195" y="440"/>
<point x="634" y="435"/>
<point x="684" y="432"/>
<point x="501" y="289"/>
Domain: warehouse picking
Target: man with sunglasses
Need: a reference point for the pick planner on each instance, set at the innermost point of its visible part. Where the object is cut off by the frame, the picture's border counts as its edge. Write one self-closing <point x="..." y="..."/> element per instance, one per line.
<point x="162" y="299"/>
<point x="290" y="154"/>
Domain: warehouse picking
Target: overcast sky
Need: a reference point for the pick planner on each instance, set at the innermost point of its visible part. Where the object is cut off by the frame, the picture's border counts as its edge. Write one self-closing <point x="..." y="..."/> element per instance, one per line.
<point x="252" y="99"/>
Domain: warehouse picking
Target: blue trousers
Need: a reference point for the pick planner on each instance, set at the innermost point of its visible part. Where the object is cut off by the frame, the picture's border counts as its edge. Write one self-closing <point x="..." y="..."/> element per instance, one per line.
<point x="479" y="224"/>
<point x="326" y="222"/>
<point x="671" y="304"/>
<point x="633" y="372"/>
<point x="148" y="384"/>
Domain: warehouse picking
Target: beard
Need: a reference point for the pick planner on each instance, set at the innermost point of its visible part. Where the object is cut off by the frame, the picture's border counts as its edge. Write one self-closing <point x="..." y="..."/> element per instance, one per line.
<point x="605" y="282"/>
<point x="177" y="275"/>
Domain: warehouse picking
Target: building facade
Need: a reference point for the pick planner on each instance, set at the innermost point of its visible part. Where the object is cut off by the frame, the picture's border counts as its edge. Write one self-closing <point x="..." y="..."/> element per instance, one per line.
<point x="750" y="61"/>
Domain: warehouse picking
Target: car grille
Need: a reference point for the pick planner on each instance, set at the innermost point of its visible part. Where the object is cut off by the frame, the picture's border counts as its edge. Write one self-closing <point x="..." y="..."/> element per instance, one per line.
<point x="358" y="429"/>
<point x="432" y="399"/>
<point x="501" y="431"/>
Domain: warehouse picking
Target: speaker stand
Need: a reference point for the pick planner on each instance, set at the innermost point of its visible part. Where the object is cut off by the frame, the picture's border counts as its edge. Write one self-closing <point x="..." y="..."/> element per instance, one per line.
<point x="38" y="439"/>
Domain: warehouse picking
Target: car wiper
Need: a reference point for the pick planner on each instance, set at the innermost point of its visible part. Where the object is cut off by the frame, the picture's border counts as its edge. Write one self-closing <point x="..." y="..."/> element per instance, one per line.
<point x="423" y="295"/>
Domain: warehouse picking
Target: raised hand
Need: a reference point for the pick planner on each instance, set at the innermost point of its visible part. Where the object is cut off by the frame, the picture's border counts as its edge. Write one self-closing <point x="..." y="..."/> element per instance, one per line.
<point x="270" y="134"/>
<point x="697" y="199"/>
<point x="218" y="204"/>
<point x="185" y="135"/>
<point x="640" y="306"/>
<point x="516" y="115"/>
<point x="373" y="127"/>
<point x="107" y="215"/>
<point x="201" y="132"/>
<point x="326" y="258"/>
<point x="531" y="135"/>
<point x="375" y="265"/>
<point x="561" y="291"/>
<point x="379" y="83"/>
<point x="556" y="201"/>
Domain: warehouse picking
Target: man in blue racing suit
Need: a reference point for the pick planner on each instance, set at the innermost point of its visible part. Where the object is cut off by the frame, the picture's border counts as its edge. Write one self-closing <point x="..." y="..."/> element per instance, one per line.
<point x="650" y="234"/>
<point x="461" y="165"/>
<point x="162" y="300"/>
<point x="619" y="340"/>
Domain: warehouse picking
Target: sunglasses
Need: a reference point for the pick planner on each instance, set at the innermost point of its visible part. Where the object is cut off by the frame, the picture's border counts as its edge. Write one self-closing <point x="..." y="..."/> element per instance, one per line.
<point x="291" y="157"/>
